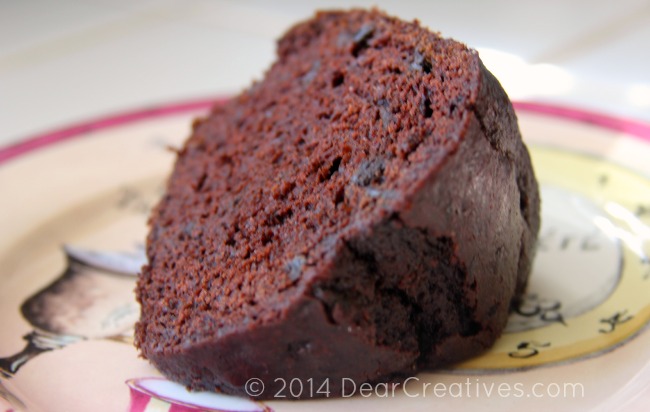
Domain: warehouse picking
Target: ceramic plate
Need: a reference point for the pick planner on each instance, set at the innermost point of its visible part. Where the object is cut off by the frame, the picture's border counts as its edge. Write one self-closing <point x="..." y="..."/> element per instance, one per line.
<point x="74" y="207"/>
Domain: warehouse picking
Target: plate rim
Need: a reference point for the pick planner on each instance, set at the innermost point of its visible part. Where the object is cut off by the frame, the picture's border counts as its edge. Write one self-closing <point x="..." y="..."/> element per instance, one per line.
<point x="631" y="127"/>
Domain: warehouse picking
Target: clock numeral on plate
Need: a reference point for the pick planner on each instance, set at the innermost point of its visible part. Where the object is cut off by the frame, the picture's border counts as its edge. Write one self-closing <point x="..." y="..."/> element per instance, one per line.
<point x="613" y="321"/>
<point x="528" y="349"/>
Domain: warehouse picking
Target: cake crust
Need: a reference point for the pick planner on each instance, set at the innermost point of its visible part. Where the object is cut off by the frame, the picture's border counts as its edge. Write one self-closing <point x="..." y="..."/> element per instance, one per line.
<point x="366" y="211"/>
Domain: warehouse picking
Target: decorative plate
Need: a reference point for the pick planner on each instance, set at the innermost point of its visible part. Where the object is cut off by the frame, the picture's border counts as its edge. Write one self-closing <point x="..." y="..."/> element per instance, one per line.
<point x="73" y="223"/>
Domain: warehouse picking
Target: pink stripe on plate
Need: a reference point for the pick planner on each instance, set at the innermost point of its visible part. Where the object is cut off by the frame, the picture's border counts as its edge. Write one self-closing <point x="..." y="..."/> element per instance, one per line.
<point x="182" y="408"/>
<point x="57" y="136"/>
<point x="139" y="400"/>
<point x="182" y="400"/>
<point x="631" y="127"/>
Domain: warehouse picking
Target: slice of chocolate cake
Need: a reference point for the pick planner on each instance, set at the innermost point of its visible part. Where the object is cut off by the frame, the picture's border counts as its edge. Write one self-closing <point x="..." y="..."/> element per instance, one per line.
<point x="365" y="211"/>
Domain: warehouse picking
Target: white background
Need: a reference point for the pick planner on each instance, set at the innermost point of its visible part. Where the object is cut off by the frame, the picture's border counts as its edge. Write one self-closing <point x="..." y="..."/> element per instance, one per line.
<point x="68" y="61"/>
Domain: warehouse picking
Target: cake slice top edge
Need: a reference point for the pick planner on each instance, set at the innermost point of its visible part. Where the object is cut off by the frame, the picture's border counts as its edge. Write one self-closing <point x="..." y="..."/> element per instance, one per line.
<point x="359" y="109"/>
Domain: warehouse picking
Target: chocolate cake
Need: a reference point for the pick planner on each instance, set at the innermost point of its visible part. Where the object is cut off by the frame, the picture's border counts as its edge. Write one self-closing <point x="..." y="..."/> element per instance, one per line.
<point x="366" y="211"/>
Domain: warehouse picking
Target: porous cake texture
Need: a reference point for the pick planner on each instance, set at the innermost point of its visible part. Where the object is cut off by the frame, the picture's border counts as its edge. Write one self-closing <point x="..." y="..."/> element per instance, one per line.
<point x="365" y="211"/>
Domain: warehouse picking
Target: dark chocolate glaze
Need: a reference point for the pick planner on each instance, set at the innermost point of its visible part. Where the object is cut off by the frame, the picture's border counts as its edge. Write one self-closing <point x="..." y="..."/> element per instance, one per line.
<point x="366" y="211"/>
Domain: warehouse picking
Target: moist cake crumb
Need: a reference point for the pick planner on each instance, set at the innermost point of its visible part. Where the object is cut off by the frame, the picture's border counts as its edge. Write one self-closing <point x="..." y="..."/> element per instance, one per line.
<point x="365" y="211"/>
